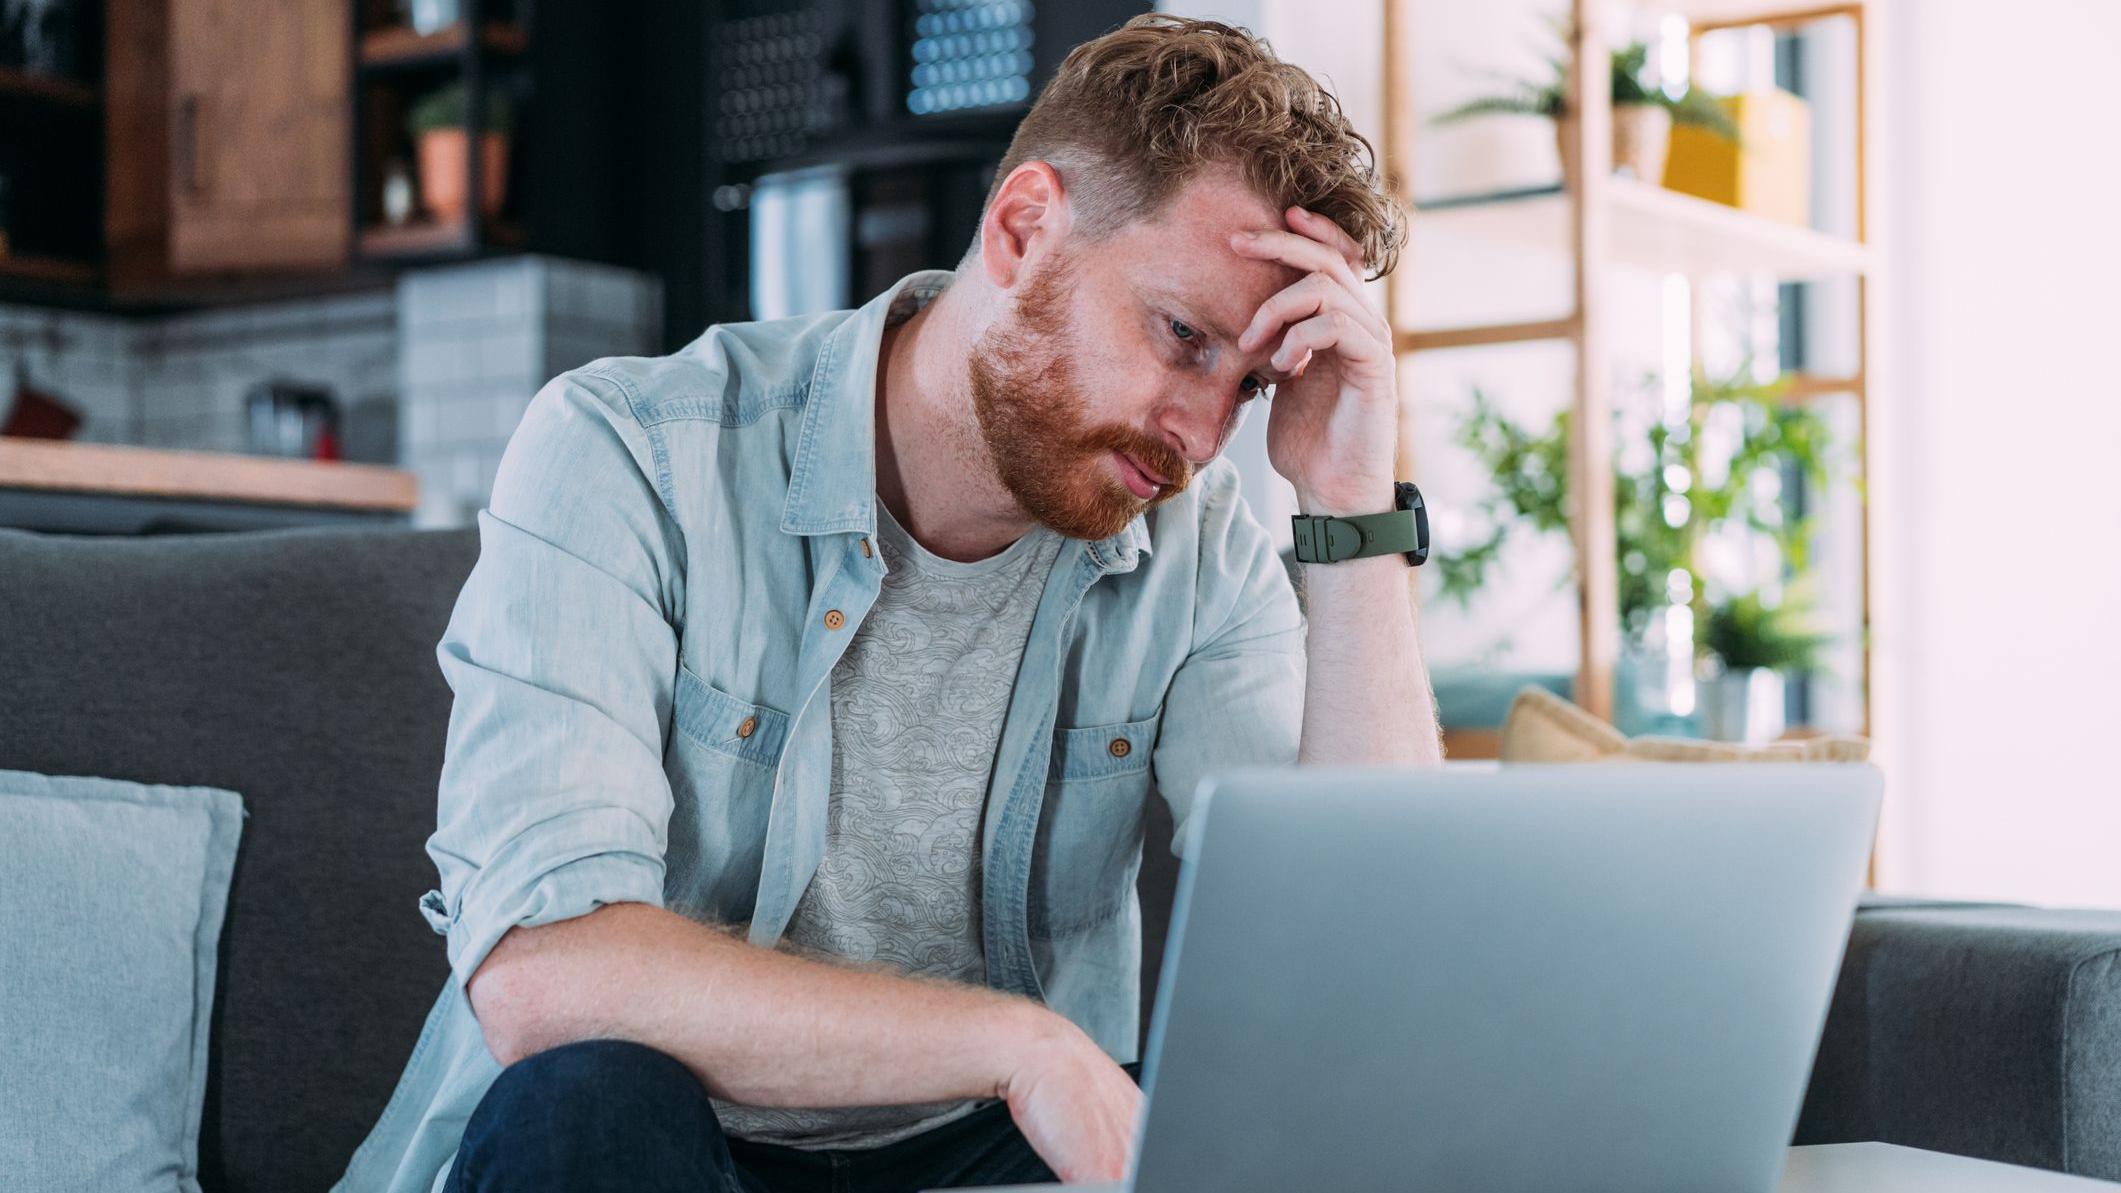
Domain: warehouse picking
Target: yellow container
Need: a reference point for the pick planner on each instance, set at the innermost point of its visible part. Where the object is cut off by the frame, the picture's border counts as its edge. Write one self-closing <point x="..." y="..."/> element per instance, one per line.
<point x="1768" y="172"/>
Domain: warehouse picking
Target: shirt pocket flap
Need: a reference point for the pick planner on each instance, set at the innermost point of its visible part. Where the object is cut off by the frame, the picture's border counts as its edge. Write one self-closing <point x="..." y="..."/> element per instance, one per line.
<point x="1100" y="751"/>
<point x="714" y="718"/>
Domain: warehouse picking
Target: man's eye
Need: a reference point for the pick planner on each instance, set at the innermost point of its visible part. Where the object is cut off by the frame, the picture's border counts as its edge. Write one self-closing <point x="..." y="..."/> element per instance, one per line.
<point x="1252" y="387"/>
<point x="1182" y="331"/>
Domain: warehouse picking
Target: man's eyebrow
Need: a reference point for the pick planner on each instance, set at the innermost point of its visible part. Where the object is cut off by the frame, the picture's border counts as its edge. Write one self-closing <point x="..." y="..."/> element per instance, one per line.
<point x="1194" y="316"/>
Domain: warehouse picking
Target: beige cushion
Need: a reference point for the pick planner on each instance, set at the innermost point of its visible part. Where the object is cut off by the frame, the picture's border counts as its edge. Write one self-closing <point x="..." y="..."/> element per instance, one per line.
<point x="1542" y="727"/>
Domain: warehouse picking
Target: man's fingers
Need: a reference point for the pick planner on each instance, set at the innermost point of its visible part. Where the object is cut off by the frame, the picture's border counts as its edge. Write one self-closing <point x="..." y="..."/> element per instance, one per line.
<point x="1330" y="330"/>
<point x="1291" y="248"/>
<point x="1315" y="293"/>
<point x="1303" y="298"/>
<point x="1325" y="229"/>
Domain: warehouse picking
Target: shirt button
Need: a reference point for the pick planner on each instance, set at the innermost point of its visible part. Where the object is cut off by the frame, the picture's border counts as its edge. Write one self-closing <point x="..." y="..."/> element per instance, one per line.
<point x="747" y="727"/>
<point x="834" y="619"/>
<point x="1120" y="747"/>
<point x="866" y="553"/>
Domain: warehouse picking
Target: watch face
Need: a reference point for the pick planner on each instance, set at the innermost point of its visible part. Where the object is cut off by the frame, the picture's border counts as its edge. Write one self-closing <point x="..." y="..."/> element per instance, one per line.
<point x="1407" y="497"/>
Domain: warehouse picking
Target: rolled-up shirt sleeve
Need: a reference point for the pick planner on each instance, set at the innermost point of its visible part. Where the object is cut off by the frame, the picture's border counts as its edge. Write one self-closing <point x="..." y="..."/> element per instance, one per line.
<point x="1238" y="698"/>
<point x="562" y="656"/>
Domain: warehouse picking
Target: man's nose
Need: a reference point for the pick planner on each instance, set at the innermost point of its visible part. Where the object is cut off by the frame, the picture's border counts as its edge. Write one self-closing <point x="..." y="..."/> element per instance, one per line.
<point x="1196" y="422"/>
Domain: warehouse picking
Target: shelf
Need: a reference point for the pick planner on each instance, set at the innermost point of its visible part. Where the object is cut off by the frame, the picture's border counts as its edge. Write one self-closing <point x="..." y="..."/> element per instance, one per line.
<point x="110" y="469"/>
<point x="1653" y="228"/>
<point x="427" y="238"/>
<point x="398" y="47"/>
<point x="50" y="89"/>
<point x="48" y="269"/>
<point x="1723" y="13"/>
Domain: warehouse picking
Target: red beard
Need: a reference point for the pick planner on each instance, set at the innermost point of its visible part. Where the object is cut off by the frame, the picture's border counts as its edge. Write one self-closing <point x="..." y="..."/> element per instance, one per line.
<point x="1033" y="416"/>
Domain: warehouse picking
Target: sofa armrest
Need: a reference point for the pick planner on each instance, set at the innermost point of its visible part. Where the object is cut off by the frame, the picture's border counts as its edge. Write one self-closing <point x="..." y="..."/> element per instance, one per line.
<point x="1977" y="1029"/>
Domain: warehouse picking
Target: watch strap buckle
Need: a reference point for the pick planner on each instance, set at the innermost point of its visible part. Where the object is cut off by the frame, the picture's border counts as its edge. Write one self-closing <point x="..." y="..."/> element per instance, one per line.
<point x="1322" y="538"/>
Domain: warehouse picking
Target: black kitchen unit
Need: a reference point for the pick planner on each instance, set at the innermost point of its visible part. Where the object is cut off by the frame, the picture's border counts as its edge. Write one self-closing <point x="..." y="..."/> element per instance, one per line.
<point x="849" y="142"/>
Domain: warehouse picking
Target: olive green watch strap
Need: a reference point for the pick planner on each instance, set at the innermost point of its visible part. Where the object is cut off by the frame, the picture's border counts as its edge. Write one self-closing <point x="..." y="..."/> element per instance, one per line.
<point x="1325" y="538"/>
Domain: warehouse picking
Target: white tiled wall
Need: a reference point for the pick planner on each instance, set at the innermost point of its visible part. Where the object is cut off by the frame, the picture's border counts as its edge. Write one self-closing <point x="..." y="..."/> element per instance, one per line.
<point x="476" y="341"/>
<point x="457" y="350"/>
<point x="195" y="369"/>
<point x="179" y="381"/>
<point x="86" y="361"/>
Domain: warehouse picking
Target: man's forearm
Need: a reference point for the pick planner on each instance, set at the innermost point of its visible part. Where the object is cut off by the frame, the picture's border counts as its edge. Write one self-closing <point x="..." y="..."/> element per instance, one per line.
<point x="757" y="1026"/>
<point x="1366" y="691"/>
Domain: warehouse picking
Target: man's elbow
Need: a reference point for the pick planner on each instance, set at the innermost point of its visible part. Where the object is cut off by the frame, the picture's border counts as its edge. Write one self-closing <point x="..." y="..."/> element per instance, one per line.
<point x="538" y="988"/>
<point x="505" y="999"/>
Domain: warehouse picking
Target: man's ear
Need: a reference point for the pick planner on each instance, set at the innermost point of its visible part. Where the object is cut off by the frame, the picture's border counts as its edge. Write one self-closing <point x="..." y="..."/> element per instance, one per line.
<point x="1028" y="219"/>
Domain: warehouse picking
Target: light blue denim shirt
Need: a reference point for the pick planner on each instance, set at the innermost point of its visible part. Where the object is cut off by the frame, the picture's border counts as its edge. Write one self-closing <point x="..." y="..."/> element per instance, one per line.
<point x="677" y="550"/>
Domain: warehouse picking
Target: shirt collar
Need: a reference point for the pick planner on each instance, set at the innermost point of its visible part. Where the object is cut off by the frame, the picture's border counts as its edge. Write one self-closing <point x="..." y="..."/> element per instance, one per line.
<point x="832" y="481"/>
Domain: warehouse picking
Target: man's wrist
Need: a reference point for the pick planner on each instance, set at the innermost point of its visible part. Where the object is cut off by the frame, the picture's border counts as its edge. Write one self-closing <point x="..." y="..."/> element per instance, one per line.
<point x="1026" y="1032"/>
<point x="1368" y="499"/>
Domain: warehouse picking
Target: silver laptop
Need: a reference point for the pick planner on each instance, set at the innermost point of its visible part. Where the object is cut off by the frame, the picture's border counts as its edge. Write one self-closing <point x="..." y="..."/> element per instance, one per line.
<point x="1607" y="977"/>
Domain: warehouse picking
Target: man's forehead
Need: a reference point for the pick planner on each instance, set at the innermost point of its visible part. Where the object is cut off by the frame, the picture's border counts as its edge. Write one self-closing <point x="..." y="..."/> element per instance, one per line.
<point x="1183" y="253"/>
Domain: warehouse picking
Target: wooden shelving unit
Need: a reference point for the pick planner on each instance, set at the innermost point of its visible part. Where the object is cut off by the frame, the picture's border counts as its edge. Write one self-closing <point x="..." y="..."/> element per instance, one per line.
<point x="54" y="123"/>
<point x="49" y="269"/>
<point x="63" y="92"/>
<point x="394" y="65"/>
<point x="428" y="238"/>
<point x="404" y="48"/>
<point x="1603" y="223"/>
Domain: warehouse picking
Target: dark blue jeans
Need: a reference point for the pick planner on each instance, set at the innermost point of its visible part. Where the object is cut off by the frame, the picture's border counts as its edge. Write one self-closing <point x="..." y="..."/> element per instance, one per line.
<point x="610" y="1115"/>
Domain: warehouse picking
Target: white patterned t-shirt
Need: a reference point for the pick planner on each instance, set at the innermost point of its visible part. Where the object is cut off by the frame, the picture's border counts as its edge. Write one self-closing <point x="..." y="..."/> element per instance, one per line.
<point x="917" y="707"/>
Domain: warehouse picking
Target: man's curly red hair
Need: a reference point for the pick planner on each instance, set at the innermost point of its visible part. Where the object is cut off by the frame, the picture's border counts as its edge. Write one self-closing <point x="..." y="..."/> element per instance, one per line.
<point x="1134" y="115"/>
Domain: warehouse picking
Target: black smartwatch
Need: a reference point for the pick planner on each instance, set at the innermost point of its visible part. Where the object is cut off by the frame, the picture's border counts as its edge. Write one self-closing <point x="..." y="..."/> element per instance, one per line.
<point x="1323" y="538"/>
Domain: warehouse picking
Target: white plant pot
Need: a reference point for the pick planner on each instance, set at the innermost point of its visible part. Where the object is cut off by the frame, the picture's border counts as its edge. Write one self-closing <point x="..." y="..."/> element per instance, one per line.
<point x="1743" y="706"/>
<point x="1642" y="138"/>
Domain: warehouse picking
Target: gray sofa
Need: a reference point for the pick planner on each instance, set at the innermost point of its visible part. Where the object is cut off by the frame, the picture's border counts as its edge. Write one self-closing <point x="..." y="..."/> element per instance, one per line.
<point x="297" y="668"/>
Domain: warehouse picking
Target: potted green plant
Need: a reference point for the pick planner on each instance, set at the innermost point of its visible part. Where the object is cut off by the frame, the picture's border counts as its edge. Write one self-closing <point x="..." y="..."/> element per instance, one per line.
<point x="437" y="124"/>
<point x="1643" y="115"/>
<point x="1668" y="495"/>
<point x="1753" y="645"/>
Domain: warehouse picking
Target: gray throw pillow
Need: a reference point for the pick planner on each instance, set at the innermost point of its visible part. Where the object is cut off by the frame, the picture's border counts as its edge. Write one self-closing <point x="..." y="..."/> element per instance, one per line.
<point x="111" y="898"/>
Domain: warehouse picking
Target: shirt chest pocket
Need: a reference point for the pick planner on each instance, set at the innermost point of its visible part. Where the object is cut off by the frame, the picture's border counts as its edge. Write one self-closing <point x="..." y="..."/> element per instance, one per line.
<point x="722" y="758"/>
<point x="713" y="718"/>
<point x="1090" y="826"/>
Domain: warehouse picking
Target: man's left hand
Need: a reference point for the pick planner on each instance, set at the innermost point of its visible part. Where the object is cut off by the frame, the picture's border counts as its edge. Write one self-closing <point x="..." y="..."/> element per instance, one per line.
<point x="1333" y="425"/>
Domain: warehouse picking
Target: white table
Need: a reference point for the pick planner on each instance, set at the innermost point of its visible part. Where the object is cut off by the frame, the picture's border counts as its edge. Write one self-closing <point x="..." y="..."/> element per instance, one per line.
<point x="1884" y="1168"/>
<point x="1845" y="1168"/>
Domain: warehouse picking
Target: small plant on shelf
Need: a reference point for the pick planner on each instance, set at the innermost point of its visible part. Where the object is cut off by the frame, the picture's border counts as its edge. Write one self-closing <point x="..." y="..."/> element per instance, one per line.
<point x="1643" y="114"/>
<point x="1745" y="633"/>
<point x="437" y="123"/>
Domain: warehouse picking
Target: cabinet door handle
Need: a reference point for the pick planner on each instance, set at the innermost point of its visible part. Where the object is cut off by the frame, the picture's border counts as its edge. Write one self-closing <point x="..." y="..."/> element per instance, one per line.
<point x="188" y="147"/>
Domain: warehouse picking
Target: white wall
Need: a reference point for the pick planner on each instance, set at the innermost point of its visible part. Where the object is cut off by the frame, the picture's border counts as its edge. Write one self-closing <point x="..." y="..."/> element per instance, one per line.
<point x="2001" y="645"/>
<point x="1998" y="584"/>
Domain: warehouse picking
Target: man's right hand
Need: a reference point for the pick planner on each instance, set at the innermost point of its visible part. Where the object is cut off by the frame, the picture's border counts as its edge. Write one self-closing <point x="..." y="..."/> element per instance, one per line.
<point x="768" y="1028"/>
<point x="1074" y="1104"/>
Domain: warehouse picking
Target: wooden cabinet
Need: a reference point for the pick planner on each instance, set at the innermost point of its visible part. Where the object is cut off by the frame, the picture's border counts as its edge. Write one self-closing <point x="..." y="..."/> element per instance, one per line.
<point x="228" y="138"/>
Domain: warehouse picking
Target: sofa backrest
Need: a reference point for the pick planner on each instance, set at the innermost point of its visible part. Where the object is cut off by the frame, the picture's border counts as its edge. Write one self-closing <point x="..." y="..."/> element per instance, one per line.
<point x="297" y="669"/>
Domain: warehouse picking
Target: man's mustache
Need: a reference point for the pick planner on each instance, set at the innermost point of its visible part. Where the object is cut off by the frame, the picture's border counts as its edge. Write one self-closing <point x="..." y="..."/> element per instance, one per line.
<point x="1153" y="454"/>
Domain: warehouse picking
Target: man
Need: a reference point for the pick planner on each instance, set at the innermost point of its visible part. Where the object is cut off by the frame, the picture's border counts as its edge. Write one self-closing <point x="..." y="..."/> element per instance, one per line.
<point x="812" y="679"/>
